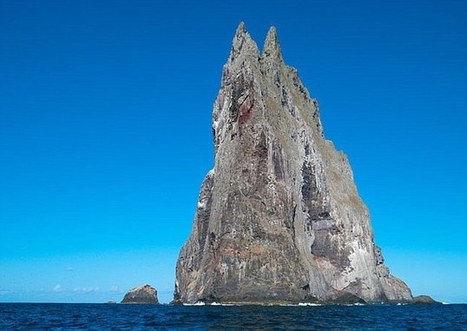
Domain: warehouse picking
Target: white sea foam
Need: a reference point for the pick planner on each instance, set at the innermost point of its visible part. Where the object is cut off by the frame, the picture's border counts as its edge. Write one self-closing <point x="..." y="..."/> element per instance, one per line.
<point x="308" y="304"/>
<point x="199" y="303"/>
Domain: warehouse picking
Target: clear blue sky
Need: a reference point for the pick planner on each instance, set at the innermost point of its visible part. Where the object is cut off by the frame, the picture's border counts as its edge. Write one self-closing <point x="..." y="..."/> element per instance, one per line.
<point x="105" y="132"/>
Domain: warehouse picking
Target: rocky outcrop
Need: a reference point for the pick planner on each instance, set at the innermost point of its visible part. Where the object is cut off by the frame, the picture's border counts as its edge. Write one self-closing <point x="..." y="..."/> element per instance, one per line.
<point x="145" y="294"/>
<point x="279" y="218"/>
<point x="425" y="300"/>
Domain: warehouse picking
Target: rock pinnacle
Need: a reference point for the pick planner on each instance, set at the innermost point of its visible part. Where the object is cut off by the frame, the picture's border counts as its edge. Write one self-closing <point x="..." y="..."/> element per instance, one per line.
<point x="272" y="48"/>
<point x="242" y="44"/>
<point x="279" y="218"/>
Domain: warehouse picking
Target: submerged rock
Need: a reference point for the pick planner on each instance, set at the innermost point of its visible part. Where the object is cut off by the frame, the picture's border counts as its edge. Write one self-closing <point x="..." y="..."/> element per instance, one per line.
<point x="279" y="218"/>
<point x="145" y="294"/>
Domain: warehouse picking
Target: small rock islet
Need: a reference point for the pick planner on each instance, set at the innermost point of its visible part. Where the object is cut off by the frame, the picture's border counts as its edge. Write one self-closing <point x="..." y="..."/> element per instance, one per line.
<point x="144" y="294"/>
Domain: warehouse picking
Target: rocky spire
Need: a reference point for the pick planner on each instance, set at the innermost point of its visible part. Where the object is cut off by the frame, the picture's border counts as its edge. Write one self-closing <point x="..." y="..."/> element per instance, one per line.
<point x="242" y="44"/>
<point x="272" y="49"/>
<point x="279" y="218"/>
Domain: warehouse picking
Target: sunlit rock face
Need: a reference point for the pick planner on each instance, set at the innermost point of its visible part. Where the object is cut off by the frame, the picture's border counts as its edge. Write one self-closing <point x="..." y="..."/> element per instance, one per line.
<point x="279" y="218"/>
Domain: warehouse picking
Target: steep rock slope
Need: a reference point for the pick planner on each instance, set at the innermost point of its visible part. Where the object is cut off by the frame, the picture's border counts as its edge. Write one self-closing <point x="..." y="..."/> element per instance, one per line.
<point x="279" y="218"/>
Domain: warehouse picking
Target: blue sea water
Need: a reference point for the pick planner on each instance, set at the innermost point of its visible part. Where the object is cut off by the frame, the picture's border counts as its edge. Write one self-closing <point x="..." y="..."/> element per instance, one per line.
<point x="48" y="316"/>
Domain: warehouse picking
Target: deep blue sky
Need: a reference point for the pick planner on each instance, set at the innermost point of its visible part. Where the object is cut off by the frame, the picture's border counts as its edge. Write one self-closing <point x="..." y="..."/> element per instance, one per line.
<point x="105" y="132"/>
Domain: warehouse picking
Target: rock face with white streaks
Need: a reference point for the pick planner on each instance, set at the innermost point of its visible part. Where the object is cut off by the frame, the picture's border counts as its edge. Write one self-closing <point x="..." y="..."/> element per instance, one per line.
<point x="279" y="218"/>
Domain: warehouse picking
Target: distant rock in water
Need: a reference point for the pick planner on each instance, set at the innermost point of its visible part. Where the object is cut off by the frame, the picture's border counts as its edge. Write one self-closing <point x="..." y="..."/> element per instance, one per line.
<point x="145" y="294"/>
<point x="279" y="218"/>
<point x="425" y="300"/>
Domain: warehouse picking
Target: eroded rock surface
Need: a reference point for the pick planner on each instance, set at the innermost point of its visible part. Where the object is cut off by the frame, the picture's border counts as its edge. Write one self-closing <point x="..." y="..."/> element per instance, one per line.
<point x="145" y="294"/>
<point x="279" y="218"/>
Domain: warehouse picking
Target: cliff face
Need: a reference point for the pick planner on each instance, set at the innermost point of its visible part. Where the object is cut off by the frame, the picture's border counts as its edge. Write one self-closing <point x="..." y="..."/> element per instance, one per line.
<point x="279" y="218"/>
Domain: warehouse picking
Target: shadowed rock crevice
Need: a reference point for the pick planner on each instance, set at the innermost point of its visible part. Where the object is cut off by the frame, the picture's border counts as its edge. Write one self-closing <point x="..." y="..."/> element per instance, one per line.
<point x="279" y="218"/>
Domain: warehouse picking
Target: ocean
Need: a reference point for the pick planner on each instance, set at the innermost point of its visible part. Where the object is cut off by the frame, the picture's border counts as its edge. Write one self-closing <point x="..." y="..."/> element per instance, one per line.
<point x="50" y="316"/>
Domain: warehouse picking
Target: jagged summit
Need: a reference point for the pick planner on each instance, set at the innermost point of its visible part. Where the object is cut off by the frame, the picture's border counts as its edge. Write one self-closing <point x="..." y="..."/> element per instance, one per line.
<point x="272" y="47"/>
<point x="241" y="29"/>
<point x="279" y="218"/>
<point x="243" y="44"/>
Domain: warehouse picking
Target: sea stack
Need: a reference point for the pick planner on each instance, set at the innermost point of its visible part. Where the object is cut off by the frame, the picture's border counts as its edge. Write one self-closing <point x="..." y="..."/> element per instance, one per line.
<point x="144" y="294"/>
<point x="279" y="218"/>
